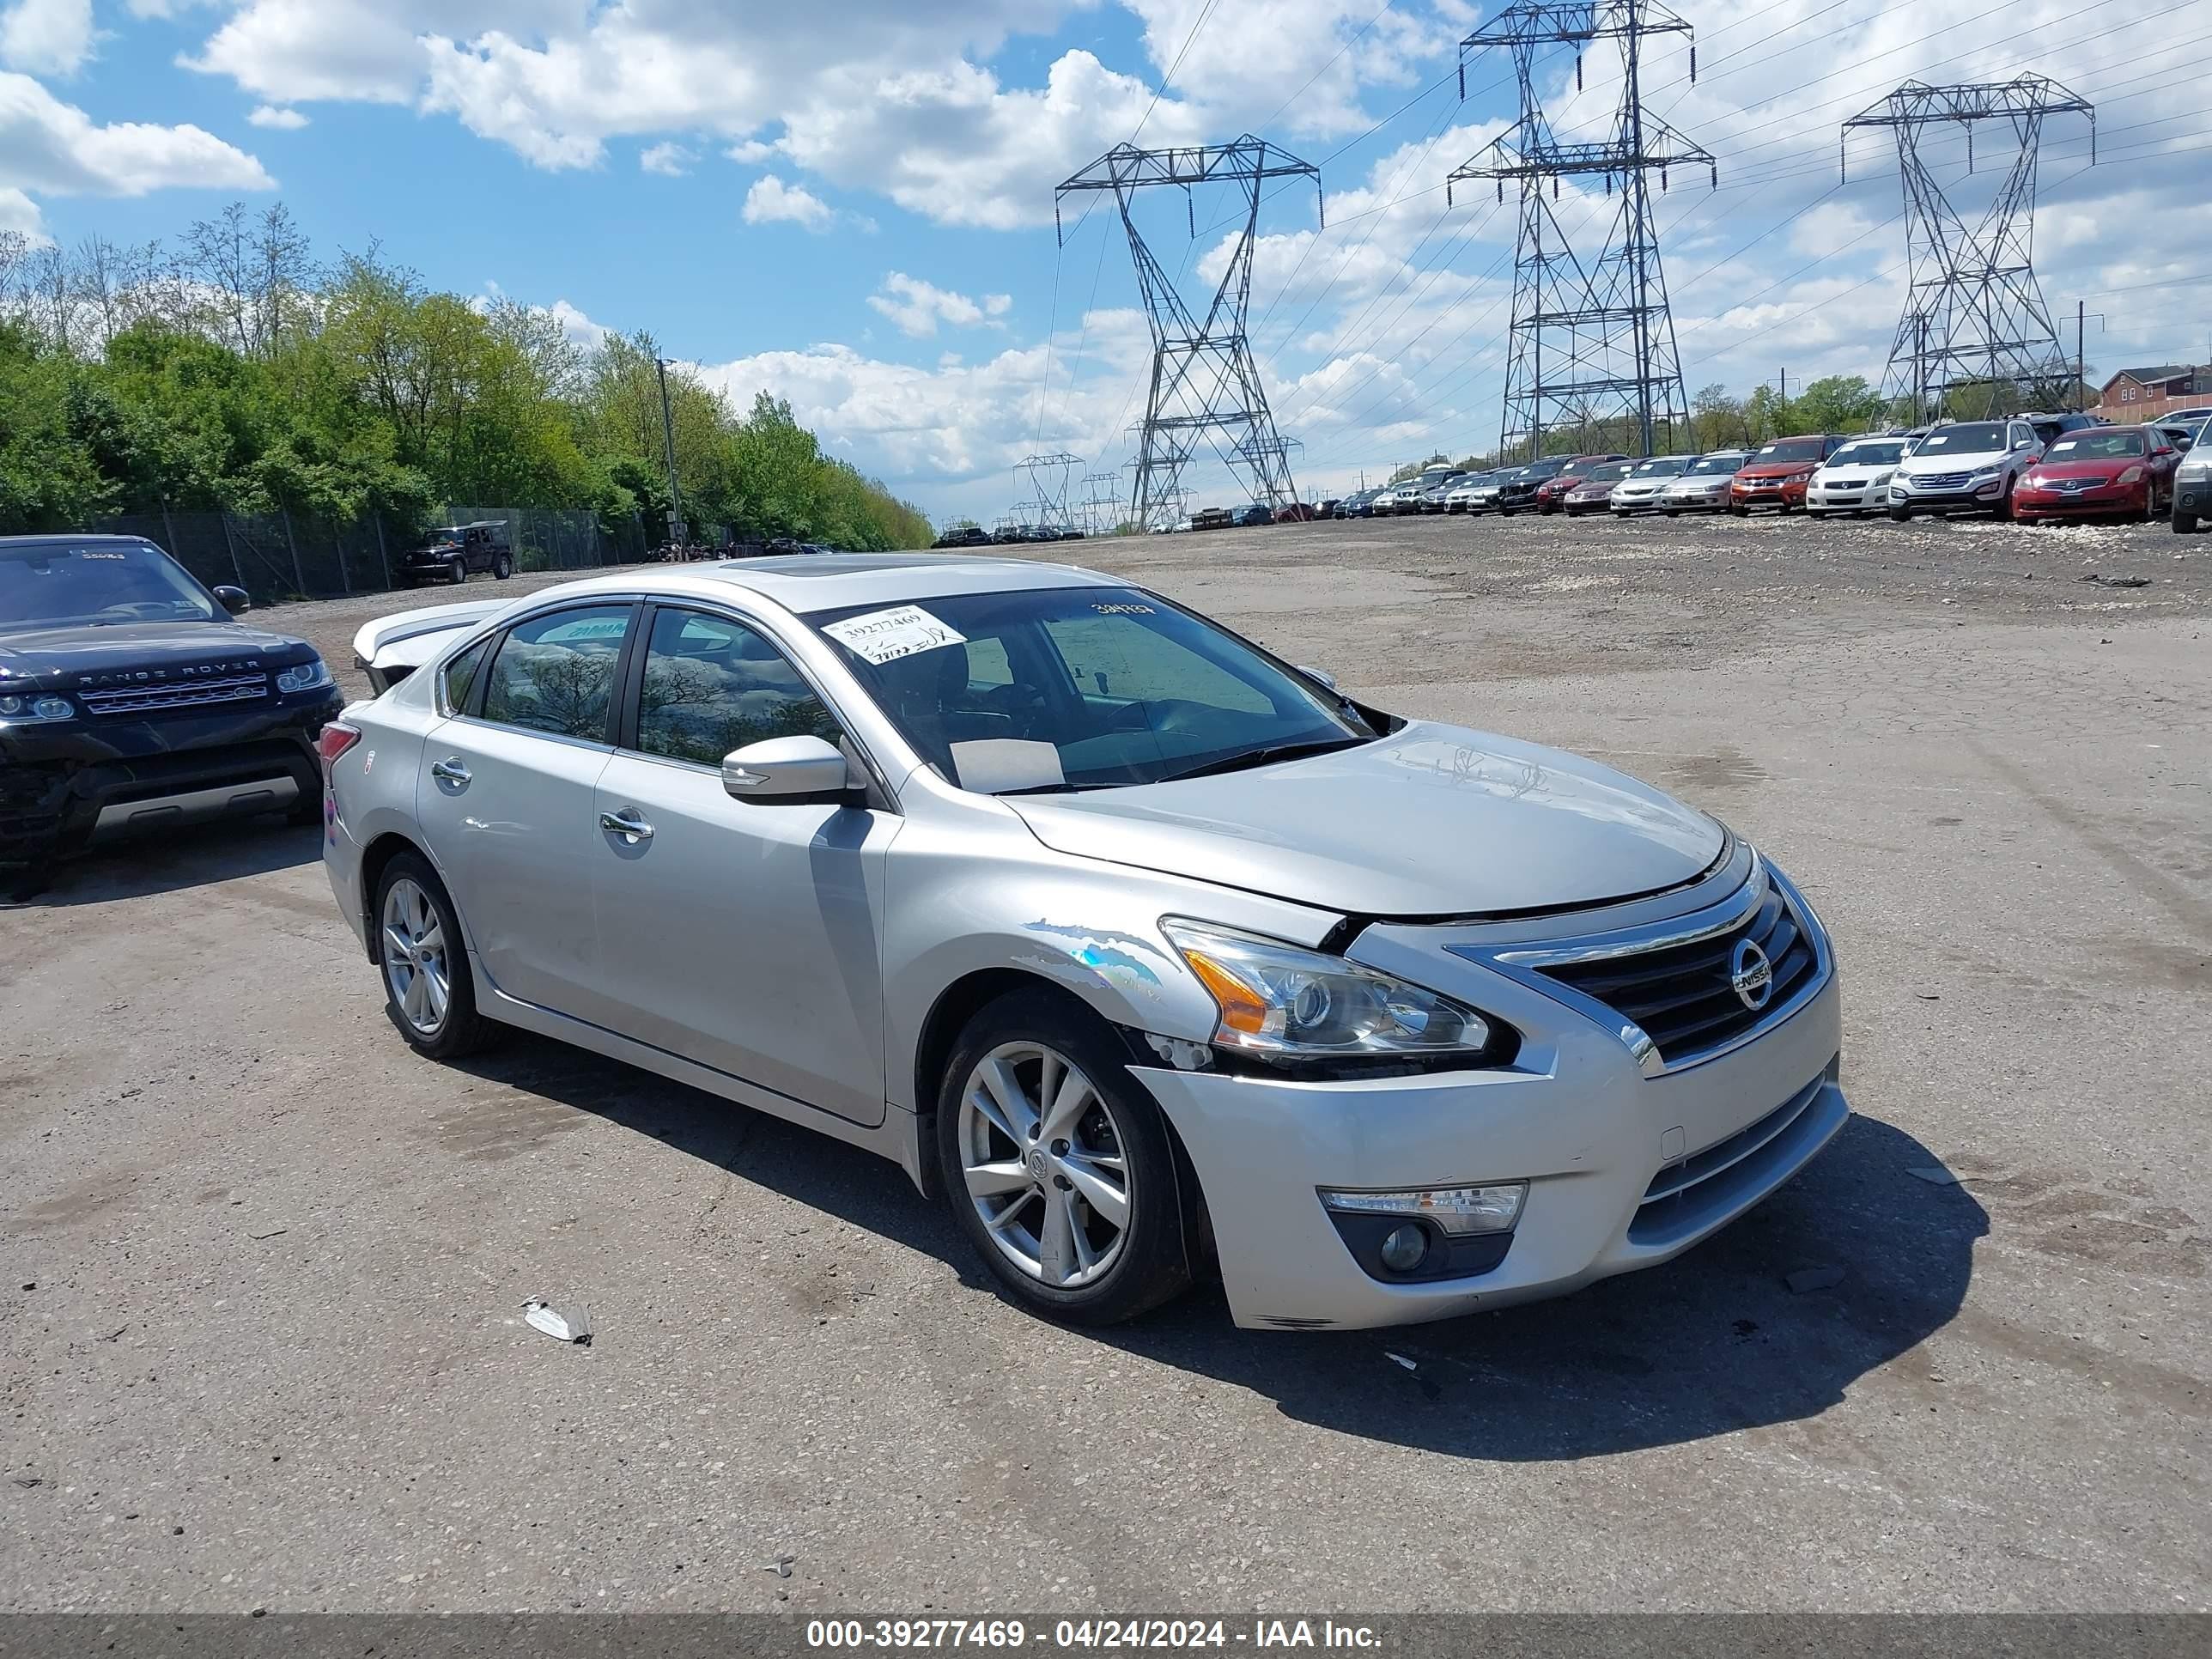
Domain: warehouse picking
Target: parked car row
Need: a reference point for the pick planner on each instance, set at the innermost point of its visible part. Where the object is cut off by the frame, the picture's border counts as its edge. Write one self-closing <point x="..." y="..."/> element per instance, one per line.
<point x="2034" y="468"/>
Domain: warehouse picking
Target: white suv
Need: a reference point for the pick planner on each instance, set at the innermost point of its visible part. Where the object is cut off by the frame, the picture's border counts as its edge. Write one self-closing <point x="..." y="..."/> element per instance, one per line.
<point x="1962" y="466"/>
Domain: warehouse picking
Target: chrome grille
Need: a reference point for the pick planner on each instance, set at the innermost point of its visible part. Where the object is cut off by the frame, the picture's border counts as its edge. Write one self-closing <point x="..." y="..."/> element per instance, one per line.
<point x="1682" y="997"/>
<point x="1942" y="481"/>
<point x="157" y="695"/>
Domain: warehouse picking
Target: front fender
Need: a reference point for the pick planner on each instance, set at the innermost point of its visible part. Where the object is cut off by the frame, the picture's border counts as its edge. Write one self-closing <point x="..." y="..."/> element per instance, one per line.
<point x="972" y="892"/>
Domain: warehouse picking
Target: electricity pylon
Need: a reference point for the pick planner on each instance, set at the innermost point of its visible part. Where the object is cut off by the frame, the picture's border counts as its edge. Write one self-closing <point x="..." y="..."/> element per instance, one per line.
<point x="1204" y="380"/>
<point x="1048" y="476"/>
<point x="1102" y="507"/>
<point x="1588" y="335"/>
<point x="1975" y="323"/>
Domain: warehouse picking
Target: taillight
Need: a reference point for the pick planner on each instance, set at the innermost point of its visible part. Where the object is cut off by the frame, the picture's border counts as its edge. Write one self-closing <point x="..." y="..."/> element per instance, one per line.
<point x="336" y="739"/>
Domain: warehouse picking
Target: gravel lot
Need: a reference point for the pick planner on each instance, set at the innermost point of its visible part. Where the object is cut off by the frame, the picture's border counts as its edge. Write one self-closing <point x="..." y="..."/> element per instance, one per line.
<point x="261" y="1334"/>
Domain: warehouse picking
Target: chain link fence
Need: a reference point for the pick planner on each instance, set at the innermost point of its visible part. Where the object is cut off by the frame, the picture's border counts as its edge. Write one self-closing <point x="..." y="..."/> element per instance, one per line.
<point x="291" y="555"/>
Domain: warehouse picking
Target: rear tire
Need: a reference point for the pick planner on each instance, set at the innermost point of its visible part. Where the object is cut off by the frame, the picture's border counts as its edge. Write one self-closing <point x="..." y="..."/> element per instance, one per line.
<point x="428" y="990"/>
<point x="502" y="566"/>
<point x="1001" y="1153"/>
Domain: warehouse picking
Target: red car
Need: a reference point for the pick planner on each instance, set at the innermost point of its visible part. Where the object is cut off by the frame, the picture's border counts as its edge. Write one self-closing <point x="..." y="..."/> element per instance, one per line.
<point x="1552" y="495"/>
<point x="1590" y="493"/>
<point x="1296" y="513"/>
<point x="2098" y="471"/>
<point x="1775" y="476"/>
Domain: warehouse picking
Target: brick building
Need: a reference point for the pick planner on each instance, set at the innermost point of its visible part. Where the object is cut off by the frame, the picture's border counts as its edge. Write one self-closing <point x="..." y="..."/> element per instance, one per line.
<point x="2145" y="394"/>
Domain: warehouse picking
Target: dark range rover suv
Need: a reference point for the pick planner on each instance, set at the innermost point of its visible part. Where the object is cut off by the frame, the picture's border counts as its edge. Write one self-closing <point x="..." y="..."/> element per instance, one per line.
<point x="131" y="700"/>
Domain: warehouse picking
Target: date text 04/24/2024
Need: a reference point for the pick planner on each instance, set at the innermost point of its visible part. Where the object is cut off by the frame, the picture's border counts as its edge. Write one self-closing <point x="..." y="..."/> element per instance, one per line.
<point x="1261" y="1635"/>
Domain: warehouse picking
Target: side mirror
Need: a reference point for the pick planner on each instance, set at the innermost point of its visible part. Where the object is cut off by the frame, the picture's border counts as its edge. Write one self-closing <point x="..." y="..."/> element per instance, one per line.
<point x="235" y="600"/>
<point x="790" y="772"/>
<point x="1325" y="680"/>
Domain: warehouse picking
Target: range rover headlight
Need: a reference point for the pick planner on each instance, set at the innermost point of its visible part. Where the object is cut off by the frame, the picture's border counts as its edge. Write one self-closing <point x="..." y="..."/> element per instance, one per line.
<point x="1284" y="1001"/>
<point x="30" y="706"/>
<point x="309" y="676"/>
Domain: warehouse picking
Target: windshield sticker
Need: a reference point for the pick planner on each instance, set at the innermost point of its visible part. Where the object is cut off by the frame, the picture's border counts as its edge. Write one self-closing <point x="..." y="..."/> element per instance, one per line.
<point x="883" y="636"/>
<point x="988" y="766"/>
<point x="1125" y="609"/>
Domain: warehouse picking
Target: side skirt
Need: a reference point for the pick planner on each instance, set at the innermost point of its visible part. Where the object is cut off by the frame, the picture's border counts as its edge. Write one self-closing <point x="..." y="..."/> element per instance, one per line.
<point x="896" y="1138"/>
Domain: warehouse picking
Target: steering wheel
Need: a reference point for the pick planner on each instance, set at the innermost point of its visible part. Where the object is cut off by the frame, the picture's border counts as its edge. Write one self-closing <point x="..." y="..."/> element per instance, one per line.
<point x="1025" y="706"/>
<point x="1180" y="714"/>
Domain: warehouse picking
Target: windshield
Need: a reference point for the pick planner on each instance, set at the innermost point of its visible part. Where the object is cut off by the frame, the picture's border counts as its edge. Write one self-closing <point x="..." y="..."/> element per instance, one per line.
<point x="1609" y="473"/>
<point x="2095" y="446"/>
<point x="1076" y="688"/>
<point x="1790" y="449"/>
<point x="1976" y="438"/>
<point x="1885" y="453"/>
<point x="1543" y="469"/>
<point x="55" y="584"/>
<point x="1708" y="464"/>
<point x="1665" y="466"/>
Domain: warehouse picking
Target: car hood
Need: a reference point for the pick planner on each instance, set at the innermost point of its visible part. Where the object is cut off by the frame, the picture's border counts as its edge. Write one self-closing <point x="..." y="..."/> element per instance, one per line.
<point x="1778" y="470"/>
<point x="1646" y="486"/>
<point x="1431" y="821"/>
<point x="1953" y="460"/>
<point x="2094" y="467"/>
<point x="161" y="648"/>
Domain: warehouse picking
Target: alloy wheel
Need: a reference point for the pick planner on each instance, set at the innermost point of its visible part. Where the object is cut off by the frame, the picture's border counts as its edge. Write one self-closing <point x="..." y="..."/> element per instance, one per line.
<point x="1045" y="1165"/>
<point x="415" y="961"/>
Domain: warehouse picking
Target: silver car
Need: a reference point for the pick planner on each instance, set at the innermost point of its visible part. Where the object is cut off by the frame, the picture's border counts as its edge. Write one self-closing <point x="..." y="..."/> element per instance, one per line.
<point x="1153" y="955"/>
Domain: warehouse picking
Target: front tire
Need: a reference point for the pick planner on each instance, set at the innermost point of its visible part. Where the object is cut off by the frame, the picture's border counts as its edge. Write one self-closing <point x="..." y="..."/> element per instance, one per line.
<point x="458" y="570"/>
<point x="1057" y="1164"/>
<point x="428" y="988"/>
<point x="2184" y="524"/>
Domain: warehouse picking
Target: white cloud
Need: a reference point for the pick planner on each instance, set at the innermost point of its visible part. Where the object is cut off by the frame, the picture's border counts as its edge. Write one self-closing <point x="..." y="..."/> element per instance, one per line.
<point x="670" y="160"/>
<point x="272" y="115"/>
<point x="917" y="307"/>
<point x="46" y="36"/>
<point x="770" y="200"/>
<point x="55" y="149"/>
<point x="579" y="328"/>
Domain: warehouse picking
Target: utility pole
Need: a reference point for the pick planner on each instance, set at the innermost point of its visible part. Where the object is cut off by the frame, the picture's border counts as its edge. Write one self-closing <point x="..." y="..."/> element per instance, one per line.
<point x="668" y="441"/>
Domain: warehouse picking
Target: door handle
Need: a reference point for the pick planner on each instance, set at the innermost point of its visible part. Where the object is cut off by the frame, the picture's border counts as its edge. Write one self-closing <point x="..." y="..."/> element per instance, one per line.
<point x="449" y="770"/>
<point x="629" y="824"/>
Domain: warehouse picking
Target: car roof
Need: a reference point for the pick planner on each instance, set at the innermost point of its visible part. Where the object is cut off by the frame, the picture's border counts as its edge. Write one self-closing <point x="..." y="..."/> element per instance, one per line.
<point x="830" y="581"/>
<point x="72" y="539"/>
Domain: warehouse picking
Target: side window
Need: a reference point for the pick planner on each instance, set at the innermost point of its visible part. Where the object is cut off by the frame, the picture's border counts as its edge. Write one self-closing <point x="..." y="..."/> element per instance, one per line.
<point x="712" y="685"/>
<point x="556" y="674"/>
<point x="460" y="675"/>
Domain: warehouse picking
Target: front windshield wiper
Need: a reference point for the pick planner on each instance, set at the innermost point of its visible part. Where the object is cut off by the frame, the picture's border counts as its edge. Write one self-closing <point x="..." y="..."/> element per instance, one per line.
<point x="1267" y="757"/>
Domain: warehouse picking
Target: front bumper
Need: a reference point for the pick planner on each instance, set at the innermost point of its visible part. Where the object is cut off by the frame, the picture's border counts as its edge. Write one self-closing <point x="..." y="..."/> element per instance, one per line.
<point x="63" y="787"/>
<point x="1623" y="1171"/>
<point x="1650" y="503"/>
<point x="1746" y="494"/>
<point x="2103" y="502"/>
<point x="1868" y="497"/>
<point x="2193" y="496"/>
<point x="1700" y="500"/>
<point x="1976" y="498"/>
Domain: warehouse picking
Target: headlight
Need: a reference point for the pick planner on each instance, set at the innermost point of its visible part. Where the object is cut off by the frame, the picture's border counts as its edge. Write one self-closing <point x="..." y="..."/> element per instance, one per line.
<point x="1279" y="999"/>
<point x="2133" y="475"/>
<point x="28" y="706"/>
<point x="1880" y="478"/>
<point x="306" y="676"/>
<point x="1987" y="477"/>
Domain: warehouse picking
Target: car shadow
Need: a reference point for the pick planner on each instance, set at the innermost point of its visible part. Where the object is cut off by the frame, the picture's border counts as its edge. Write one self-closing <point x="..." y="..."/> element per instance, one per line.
<point x="164" y="862"/>
<point x="1712" y="1343"/>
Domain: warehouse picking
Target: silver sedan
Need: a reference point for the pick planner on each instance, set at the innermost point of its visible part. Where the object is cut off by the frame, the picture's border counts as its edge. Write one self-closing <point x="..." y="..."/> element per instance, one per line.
<point x="1156" y="956"/>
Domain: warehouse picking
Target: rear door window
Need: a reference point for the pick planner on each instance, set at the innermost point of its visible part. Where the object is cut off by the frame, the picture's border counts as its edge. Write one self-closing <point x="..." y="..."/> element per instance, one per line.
<point x="555" y="673"/>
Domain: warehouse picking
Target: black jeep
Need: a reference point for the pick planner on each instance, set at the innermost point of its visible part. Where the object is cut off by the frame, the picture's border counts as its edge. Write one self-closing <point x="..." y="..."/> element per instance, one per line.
<point x="129" y="699"/>
<point x="455" y="552"/>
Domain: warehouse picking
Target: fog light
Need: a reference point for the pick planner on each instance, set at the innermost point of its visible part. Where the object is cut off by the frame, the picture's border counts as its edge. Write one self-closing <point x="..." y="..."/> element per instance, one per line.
<point x="1457" y="1210"/>
<point x="1405" y="1247"/>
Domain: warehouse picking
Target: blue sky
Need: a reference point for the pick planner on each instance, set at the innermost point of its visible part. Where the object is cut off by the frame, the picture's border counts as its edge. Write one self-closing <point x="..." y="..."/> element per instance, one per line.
<point x="852" y="205"/>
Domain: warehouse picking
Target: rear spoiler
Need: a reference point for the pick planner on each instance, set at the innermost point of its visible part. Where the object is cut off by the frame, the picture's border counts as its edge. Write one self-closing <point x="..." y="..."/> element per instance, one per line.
<point x="392" y="648"/>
